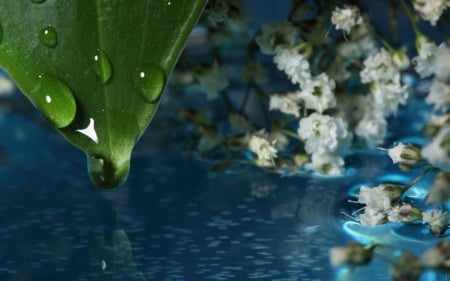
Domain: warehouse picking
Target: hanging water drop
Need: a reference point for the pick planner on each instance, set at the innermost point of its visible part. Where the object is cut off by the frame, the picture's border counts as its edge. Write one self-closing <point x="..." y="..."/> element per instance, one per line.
<point x="102" y="66"/>
<point x="38" y="1"/>
<point x="55" y="100"/>
<point x="107" y="174"/>
<point x="48" y="36"/>
<point x="149" y="81"/>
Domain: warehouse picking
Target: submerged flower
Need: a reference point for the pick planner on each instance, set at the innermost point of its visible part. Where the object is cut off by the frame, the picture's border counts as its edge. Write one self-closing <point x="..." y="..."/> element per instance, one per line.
<point x="424" y="60"/>
<point x="438" y="257"/>
<point x="285" y="103"/>
<point x="346" y="18"/>
<point x="352" y="254"/>
<point x="437" y="221"/>
<point x="441" y="65"/>
<point x="372" y="128"/>
<point x="326" y="163"/>
<point x="212" y="80"/>
<point x="323" y="134"/>
<point x="279" y="34"/>
<point x="406" y="267"/>
<point x="318" y="93"/>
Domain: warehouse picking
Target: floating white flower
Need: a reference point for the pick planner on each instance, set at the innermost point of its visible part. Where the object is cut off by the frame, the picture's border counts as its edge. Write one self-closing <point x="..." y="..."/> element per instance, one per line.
<point x="437" y="221"/>
<point x="405" y="155"/>
<point x="279" y="34"/>
<point x="293" y="64"/>
<point x="323" y="134"/>
<point x="318" y="93"/>
<point x="439" y="94"/>
<point x="264" y="150"/>
<point x="346" y="18"/>
<point x="372" y="216"/>
<point x="403" y="213"/>
<point x="437" y="151"/>
<point x="352" y="254"/>
<point x="379" y="197"/>
<point x="285" y="103"/>
<point x="431" y="10"/>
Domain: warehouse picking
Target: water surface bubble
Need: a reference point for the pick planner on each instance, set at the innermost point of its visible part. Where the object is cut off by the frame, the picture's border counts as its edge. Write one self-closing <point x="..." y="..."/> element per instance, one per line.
<point x="55" y="100"/>
<point x="149" y="81"/>
<point x="102" y="66"/>
<point x="48" y="36"/>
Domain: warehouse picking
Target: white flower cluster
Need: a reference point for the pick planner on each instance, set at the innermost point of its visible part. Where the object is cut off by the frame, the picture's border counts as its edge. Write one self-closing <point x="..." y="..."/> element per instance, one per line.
<point x="326" y="139"/>
<point x="264" y="149"/>
<point x="212" y="80"/>
<point x="346" y="18"/>
<point x="431" y="10"/>
<point x="280" y="34"/>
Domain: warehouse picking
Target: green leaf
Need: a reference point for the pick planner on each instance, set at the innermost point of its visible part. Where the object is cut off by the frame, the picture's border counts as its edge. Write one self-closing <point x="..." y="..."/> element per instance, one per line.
<point x="96" y="68"/>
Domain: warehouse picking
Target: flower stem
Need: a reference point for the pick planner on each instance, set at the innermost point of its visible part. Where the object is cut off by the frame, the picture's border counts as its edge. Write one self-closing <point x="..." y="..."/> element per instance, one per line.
<point x="417" y="179"/>
<point x="410" y="17"/>
<point x="290" y="133"/>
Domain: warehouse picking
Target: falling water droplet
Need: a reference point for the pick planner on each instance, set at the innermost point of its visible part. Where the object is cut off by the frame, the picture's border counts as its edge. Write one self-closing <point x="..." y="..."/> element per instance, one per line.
<point x="106" y="173"/>
<point x="48" y="36"/>
<point x="102" y="66"/>
<point x="55" y="100"/>
<point x="149" y="81"/>
<point x="38" y="1"/>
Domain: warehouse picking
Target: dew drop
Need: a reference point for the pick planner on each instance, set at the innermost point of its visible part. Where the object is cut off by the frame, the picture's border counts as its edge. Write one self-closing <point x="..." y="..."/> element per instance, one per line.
<point x="89" y="131"/>
<point x="102" y="66"/>
<point x="38" y="1"/>
<point x="106" y="173"/>
<point x="55" y="100"/>
<point x="149" y="81"/>
<point x="48" y="36"/>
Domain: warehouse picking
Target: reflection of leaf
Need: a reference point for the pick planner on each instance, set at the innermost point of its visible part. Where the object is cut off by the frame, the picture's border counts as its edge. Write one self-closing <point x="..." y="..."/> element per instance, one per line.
<point x="95" y="68"/>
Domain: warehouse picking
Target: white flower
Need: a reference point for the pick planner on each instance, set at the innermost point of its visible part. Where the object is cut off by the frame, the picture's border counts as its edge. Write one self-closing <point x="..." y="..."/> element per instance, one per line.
<point x="441" y="63"/>
<point x="327" y="163"/>
<point x="318" y="93"/>
<point x="436" y="153"/>
<point x="285" y="103"/>
<point x="404" y="154"/>
<point x="323" y="134"/>
<point x="425" y="59"/>
<point x="346" y="18"/>
<point x="388" y="95"/>
<point x="213" y="80"/>
<point x="439" y="95"/>
<point x="372" y="216"/>
<point x="372" y="128"/>
<point x="378" y="67"/>
<point x="403" y="213"/>
<point x="379" y="197"/>
<point x="293" y="64"/>
<point x="264" y="150"/>
<point x="430" y="10"/>
<point x="279" y="34"/>
<point x="437" y="220"/>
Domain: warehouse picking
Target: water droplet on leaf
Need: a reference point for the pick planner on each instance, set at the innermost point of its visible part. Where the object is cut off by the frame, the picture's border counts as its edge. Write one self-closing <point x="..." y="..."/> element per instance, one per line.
<point x="106" y="173"/>
<point x="38" y="1"/>
<point x="48" y="36"/>
<point x="1" y="33"/>
<point x="102" y="66"/>
<point x="55" y="100"/>
<point x="149" y="81"/>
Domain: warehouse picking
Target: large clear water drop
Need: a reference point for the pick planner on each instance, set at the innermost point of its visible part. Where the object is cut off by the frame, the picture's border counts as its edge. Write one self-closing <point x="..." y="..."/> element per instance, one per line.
<point x="48" y="36"/>
<point x="102" y="66"/>
<point x="55" y="100"/>
<point x="149" y="81"/>
<point x="107" y="173"/>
